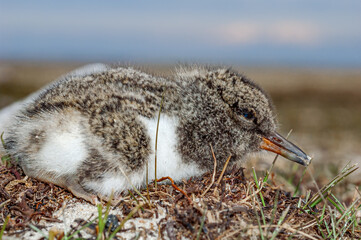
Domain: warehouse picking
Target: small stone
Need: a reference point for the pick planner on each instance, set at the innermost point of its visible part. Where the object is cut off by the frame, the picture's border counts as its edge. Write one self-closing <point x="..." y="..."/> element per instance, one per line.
<point x="112" y="223"/>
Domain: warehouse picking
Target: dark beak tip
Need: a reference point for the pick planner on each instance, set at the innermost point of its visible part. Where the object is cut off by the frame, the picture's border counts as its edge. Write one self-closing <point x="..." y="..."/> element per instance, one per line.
<point x="307" y="161"/>
<point x="304" y="161"/>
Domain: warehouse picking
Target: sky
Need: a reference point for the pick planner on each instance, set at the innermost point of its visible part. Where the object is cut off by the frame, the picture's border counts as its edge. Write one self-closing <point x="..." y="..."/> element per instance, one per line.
<point x="263" y="32"/>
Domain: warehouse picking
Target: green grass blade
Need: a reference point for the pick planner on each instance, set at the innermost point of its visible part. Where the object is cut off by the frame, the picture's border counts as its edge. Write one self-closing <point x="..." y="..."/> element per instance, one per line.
<point x="338" y="202"/>
<point x="136" y="200"/>
<point x="134" y="210"/>
<point x="327" y="228"/>
<point x="202" y="224"/>
<point x="101" y="223"/>
<point x="257" y="185"/>
<point x="80" y="229"/>
<point x="4" y="225"/>
<point x="38" y="230"/>
<point x="256" y="213"/>
<point x="338" y="208"/>
<point x="274" y="210"/>
<point x="333" y="223"/>
<point x="347" y="211"/>
<point x="102" y="220"/>
<point x="282" y="218"/>
<point x="2" y="139"/>
<point x="261" y="210"/>
<point x="321" y="219"/>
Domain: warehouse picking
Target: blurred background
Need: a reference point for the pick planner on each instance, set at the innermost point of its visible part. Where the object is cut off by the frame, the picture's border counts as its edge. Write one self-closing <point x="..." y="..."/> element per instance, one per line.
<point x="306" y="54"/>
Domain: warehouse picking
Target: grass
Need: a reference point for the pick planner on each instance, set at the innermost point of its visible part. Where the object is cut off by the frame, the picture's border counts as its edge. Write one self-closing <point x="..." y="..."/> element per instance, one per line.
<point x="326" y="190"/>
<point x="103" y="232"/>
<point x="268" y="211"/>
<point x="330" y="224"/>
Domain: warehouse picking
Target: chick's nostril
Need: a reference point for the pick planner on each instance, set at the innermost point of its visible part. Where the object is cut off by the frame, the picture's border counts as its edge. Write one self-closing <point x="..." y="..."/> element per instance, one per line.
<point x="275" y="139"/>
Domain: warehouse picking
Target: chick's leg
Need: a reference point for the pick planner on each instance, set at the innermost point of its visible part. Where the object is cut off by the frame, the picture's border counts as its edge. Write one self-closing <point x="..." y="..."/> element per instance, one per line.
<point x="78" y="191"/>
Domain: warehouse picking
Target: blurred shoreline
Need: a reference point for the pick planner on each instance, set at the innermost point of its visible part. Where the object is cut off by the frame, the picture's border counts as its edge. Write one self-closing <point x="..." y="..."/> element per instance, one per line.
<point x="277" y="80"/>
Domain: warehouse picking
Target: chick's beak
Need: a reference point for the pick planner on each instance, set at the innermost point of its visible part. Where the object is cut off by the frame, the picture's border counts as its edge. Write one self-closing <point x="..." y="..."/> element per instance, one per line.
<point x="274" y="142"/>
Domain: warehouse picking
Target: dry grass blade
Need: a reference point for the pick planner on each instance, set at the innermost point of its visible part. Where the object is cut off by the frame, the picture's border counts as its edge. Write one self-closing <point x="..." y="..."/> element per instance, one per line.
<point x="223" y="170"/>
<point x="274" y="161"/>
<point x="214" y="173"/>
<point x="222" y="173"/>
<point x="308" y="225"/>
<point x="4" y="203"/>
<point x="294" y="231"/>
<point x="147" y="178"/>
<point x="244" y="200"/>
<point x="135" y="189"/>
<point x="156" y="141"/>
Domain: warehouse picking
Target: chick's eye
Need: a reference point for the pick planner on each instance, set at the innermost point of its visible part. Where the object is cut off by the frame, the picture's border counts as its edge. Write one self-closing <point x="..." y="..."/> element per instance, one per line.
<point x="247" y="114"/>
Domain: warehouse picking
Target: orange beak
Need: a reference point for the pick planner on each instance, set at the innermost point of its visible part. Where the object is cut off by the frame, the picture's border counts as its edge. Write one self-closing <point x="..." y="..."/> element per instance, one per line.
<point x="278" y="144"/>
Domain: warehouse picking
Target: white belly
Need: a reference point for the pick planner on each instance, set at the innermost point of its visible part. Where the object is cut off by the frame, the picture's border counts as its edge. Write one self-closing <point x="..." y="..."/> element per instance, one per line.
<point x="169" y="161"/>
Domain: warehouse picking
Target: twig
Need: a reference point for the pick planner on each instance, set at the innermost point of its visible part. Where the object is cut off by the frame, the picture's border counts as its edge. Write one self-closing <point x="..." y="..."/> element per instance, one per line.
<point x="274" y="161"/>
<point x="175" y="186"/>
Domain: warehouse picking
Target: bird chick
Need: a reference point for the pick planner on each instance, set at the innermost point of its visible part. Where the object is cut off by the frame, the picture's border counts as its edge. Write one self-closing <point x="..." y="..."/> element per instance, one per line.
<point x="93" y="132"/>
